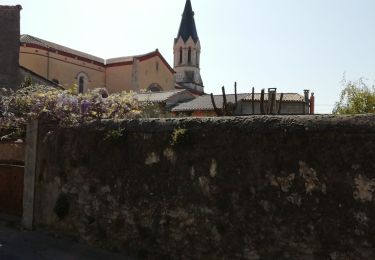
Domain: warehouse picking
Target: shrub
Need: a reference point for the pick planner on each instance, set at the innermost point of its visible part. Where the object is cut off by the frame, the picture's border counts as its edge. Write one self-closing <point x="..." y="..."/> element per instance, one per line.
<point x="64" y="106"/>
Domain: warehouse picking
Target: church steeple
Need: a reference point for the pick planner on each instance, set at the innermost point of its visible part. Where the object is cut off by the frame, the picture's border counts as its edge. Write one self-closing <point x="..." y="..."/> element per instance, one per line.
<point x="187" y="26"/>
<point x="187" y="51"/>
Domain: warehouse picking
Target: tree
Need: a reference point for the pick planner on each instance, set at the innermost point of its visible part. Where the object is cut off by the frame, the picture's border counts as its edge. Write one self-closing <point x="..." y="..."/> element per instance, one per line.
<point x="356" y="98"/>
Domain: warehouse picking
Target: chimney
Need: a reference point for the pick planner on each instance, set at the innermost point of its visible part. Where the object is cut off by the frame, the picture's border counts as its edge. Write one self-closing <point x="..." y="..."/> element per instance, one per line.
<point x="271" y="100"/>
<point x="312" y="104"/>
<point x="9" y="45"/>
<point x="307" y="101"/>
<point x="306" y="92"/>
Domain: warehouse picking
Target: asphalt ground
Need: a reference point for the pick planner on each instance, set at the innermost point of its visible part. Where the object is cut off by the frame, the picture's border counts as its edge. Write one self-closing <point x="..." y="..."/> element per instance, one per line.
<point x="19" y="244"/>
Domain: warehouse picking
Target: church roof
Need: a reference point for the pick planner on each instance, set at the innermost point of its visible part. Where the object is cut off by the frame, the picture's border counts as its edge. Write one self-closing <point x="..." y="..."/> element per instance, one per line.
<point x="32" y="40"/>
<point x="187" y="26"/>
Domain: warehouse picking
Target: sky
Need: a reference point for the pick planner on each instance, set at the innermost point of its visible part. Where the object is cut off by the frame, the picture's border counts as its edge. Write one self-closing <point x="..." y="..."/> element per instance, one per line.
<point x="290" y="45"/>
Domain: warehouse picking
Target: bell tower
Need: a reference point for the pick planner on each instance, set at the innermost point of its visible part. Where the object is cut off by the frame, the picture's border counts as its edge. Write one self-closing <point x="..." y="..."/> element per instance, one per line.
<point x="187" y="50"/>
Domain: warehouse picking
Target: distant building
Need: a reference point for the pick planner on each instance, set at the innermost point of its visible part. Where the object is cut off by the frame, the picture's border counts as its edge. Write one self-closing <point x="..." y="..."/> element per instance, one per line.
<point x="292" y="104"/>
<point x="187" y="51"/>
<point x="66" y="67"/>
<point x="166" y="99"/>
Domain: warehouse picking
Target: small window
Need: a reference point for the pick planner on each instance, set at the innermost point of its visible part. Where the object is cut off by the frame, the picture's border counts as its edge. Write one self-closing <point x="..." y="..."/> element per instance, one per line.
<point x="197" y="59"/>
<point x="189" y="56"/>
<point x="82" y="81"/>
<point x="81" y="84"/>
<point x="180" y="55"/>
<point x="157" y="66"/>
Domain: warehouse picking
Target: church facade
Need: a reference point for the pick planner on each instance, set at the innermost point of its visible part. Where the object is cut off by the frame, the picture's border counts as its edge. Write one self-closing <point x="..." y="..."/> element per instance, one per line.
<point x="69" y="67"/>
<point x="150" y="71"/>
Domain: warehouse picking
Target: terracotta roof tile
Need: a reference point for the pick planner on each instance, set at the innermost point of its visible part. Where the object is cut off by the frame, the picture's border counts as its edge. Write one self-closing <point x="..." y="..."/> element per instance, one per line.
<point x="203" y="103"/>
<point x="161" y="96"/>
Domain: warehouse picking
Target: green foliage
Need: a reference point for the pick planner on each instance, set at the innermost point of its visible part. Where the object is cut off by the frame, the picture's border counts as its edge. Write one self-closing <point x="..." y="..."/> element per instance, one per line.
<point x="62" y="206"/>
<point x="179" y="137"/>
<point x="356" y="98"/>
<point x="114" y="134"/>
<point x="27" y="82"/>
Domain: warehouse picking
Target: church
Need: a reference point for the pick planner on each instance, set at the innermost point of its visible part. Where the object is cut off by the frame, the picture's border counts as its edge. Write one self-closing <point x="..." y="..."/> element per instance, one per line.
<point x="179" y="89"/>
<point x="144" y="72"/>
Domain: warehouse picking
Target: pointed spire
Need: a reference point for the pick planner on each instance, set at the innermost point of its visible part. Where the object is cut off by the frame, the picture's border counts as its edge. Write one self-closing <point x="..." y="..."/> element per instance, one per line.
<point x="187" y="26"/>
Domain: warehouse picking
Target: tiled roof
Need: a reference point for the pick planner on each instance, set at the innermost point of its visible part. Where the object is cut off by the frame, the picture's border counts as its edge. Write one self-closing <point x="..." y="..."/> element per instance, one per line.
<point x="128" y="60"/>
<point x="38" y="79"/>
<point x="159" y="97"/>
<point x="291" y="97"/>
<point x="28" y="39"/>
<point x="10" y="7"/>
<point x="131" y="58"/>
<point x="204" y="102"/>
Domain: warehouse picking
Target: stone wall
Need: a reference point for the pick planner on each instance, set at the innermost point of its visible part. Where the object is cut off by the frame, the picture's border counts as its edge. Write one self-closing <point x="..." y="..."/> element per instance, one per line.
<point x="262" y="187"/>
<point x="9" y="45"/>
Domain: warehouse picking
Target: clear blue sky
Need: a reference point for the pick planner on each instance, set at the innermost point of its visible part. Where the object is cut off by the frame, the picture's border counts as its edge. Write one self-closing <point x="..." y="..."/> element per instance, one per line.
<point x="288" y="44"/>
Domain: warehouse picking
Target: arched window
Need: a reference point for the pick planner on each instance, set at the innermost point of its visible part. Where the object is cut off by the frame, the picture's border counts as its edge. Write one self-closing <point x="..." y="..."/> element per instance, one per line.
<point x="154" y="87"/>
<point x="197" y="59"/>
<point x="189" y="55"/>
<point x="82" y="81"/>
<point x="81" y="84"/>
<point x="180" y="55"/>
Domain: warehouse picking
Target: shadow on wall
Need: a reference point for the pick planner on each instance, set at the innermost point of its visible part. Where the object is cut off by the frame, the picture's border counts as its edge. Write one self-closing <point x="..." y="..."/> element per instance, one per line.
<point x="262" y="187"/>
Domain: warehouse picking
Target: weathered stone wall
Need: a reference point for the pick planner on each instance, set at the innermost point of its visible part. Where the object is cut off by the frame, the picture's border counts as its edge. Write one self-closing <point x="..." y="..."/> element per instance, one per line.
<point x="262" y="187"/>
<point x="9" y="45"/>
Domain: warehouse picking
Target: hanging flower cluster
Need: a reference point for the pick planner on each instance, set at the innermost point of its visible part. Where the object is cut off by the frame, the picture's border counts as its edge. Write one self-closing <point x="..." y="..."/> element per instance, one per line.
<point x="63" y="106"/>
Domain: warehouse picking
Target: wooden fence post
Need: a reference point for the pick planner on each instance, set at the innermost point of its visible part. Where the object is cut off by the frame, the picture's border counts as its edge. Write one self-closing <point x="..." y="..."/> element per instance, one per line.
<point x="29" y="175"/>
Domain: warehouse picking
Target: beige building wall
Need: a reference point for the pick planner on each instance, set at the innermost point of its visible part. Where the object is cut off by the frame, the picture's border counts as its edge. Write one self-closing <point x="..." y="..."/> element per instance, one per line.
<point x="55" y="66"/>
<point x="119" y="78"/>
<point x="154" y="71"/>
<point x="134" y="74"/>
<point x="34" y="59"/>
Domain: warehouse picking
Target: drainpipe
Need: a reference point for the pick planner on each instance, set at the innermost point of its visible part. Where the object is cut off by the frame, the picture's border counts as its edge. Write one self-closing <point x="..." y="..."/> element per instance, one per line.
<point x="48" y="63"/>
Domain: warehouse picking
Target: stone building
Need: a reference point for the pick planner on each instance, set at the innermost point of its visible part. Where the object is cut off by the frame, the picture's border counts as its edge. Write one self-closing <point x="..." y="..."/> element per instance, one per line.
<point x="292" y="104"/>
<point x="67" y="67"/>
<point x="11" y="73"/>
<point x="187" y="51"/>
<point x="9" y="45"/>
